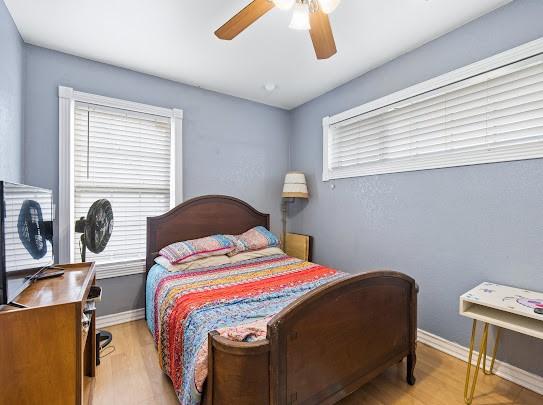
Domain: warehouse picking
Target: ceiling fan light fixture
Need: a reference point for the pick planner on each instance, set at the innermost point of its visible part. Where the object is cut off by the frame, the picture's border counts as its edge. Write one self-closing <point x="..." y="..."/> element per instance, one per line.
<point x="307" y="15"/>
<point x="328" y="6"/>
<point x="284" y="4"/>
<point x="300" y="17"/>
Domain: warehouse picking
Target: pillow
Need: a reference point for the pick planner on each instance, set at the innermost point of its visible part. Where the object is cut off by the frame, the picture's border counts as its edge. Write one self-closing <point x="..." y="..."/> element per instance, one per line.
<point x="195" y="264"/>
<point x="254" y="239"/>
<point x="253" y="254"/>
<point x="213" y="261"/>
<point x="190" y="250"/>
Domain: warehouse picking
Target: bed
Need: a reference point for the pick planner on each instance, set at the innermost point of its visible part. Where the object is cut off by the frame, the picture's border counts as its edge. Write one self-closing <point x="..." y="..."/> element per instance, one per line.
<point x="321" y="334"/>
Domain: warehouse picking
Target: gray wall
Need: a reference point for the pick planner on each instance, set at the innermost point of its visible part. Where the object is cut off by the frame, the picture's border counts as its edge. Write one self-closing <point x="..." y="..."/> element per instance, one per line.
<point x="11" y="97"/>
<point x="231" y="146"/>
<point x="449" y="228"/>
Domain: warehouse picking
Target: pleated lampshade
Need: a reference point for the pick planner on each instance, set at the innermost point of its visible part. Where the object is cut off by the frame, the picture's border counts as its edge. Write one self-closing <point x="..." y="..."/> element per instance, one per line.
<point x="295" y="185"/>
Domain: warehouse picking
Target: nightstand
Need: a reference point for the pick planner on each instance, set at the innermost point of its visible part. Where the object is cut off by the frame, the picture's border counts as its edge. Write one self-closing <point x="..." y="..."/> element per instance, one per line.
<point x="504" y="307"/>
<point x="299" y="246"/>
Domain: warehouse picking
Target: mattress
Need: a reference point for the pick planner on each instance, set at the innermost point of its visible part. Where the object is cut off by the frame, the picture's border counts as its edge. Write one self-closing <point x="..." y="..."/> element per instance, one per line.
<point x="235" y="299"/>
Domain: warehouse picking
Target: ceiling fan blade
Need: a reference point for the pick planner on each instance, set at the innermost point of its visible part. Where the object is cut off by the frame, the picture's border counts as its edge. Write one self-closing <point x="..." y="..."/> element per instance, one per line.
<point x="321" y="35"/>
<point x="252" y="12"/>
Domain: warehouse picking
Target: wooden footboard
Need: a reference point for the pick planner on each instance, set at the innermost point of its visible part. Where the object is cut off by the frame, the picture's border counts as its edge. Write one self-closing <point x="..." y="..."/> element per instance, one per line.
<point x="238" y="372"/>
<point x="322" y="347"/>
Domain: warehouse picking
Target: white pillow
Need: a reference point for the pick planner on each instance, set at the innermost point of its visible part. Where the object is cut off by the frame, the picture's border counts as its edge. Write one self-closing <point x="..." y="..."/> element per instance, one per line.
<point x="253" y="254"/>
<point x="217" y="260"/>
<point x="196" y="264"/>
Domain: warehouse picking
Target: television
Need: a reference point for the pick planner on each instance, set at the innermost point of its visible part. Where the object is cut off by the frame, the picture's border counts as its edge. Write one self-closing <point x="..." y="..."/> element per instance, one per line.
<point x="26" y="236"/>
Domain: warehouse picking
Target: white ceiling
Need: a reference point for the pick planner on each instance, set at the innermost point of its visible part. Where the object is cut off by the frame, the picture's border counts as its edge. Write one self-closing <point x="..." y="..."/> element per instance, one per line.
<point x="174" y="39"/>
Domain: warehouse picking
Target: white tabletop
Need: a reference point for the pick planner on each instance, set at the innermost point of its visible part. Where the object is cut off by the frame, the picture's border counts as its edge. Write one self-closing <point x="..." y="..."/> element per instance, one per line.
<point x="505" y="298"/>
<point x="507" y="307"/>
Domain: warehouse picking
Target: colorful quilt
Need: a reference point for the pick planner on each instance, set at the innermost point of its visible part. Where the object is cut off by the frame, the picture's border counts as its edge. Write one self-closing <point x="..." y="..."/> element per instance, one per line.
<point x="183" y="307"/>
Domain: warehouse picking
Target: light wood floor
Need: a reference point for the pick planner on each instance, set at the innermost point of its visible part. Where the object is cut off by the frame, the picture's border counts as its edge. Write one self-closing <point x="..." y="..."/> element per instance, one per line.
<point x="131" y="375"/>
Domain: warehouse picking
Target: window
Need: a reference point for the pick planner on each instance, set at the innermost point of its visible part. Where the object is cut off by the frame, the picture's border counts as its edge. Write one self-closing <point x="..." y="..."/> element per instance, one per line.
<point x="126" y="153"/>
<point x="491" y="111"/>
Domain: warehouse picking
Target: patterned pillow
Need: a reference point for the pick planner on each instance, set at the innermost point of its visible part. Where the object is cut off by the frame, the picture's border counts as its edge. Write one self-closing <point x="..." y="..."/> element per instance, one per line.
<point x="254" y="239"/>
<point x="190" y="250"/>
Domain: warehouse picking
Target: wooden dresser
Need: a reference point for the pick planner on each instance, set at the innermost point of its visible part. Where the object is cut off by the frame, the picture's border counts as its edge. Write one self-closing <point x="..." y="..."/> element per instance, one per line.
<point x="45" y="351"/>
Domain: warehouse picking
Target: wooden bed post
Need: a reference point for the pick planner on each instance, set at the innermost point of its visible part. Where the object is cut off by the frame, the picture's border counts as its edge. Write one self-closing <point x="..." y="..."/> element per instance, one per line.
<point x="238" y="372"/>
<point x="412" y="356"/>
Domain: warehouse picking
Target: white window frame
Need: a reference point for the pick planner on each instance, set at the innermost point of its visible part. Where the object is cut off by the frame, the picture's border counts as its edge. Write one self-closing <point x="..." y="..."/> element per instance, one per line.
<point x="67" y="99"/>
<point x="517" y="54"/>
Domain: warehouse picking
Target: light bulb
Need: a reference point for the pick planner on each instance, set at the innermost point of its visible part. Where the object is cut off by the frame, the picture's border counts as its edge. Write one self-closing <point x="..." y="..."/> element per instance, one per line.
<point x="300" y="17"/>
<point x="284" y="4"/>
<point x="327" y="6"/>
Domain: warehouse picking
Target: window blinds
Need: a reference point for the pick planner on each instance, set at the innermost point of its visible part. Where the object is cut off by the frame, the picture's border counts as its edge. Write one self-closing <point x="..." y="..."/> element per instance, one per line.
<point x="122" y="156"/>
<point x="492" y="117"/>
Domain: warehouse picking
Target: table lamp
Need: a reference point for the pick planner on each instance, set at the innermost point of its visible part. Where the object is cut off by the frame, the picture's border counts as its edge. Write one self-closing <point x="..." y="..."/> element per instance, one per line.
<point x="295" y="186"/>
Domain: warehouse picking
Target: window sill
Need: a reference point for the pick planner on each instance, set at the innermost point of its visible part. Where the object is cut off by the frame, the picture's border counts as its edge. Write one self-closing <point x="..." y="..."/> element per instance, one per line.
<point x="121" y="269"/>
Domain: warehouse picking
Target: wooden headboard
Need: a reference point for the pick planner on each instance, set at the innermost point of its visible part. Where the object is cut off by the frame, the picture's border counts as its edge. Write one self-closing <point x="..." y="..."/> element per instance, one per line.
<point x="199" y="217"/>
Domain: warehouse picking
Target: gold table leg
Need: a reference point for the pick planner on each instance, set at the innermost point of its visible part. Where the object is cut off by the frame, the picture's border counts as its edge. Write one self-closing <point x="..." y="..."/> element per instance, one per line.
<point x="468" y="399"/>
<point x="491" y="370"/>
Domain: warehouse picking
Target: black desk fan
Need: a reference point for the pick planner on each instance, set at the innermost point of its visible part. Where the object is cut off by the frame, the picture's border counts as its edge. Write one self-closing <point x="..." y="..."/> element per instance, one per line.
<point x="95" y="232"/>
<point x="34" y="234"/>
<point x="33" y="231"/>
<point x="96" y="228"/>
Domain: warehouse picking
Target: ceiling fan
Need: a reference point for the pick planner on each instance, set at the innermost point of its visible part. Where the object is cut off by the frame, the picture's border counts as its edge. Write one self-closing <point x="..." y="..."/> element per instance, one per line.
<point x="311" y="15"/>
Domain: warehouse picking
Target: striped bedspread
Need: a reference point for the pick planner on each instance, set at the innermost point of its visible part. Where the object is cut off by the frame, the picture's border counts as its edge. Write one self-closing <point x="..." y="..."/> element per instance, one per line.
<point x="182" y="307"/>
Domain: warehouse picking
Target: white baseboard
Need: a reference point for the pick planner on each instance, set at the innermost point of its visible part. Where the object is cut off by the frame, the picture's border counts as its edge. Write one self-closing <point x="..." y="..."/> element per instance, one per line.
<point x="504" y="370"/>
<point x="121" y="317"/>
